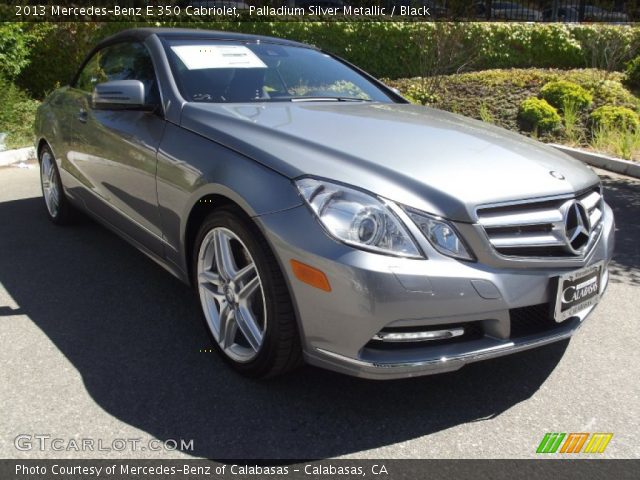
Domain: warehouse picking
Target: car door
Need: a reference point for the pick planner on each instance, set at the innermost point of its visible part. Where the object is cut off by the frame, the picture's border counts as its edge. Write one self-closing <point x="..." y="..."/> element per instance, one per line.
<point x="114" y="152"/>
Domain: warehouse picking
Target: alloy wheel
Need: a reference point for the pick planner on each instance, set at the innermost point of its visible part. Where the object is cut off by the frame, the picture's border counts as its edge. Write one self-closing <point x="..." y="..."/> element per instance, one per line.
<point x="231" y="294"/>
<point x="50" y="184"/>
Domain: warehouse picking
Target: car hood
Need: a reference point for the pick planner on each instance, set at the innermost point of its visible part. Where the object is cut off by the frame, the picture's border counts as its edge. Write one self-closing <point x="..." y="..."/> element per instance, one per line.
<point x="428" y="159"/>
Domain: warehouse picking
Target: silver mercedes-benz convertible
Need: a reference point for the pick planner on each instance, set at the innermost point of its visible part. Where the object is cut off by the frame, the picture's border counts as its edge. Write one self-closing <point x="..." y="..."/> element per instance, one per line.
<point x="319" y="216"/>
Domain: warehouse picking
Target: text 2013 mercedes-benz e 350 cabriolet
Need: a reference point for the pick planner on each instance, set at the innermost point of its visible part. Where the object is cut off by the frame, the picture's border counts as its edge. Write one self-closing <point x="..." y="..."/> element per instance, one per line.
<point x="318" y="214"/>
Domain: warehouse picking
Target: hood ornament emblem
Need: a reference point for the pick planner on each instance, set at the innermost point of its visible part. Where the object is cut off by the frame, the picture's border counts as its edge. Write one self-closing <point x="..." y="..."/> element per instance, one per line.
<point x="557" y="175"/>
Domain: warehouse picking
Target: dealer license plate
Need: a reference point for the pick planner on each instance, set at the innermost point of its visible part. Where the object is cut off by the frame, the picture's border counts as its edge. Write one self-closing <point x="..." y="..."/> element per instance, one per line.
<point x="577" y="291"/>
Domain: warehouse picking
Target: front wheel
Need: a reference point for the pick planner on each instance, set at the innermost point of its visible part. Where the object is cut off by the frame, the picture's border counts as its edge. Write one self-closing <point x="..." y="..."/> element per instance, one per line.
<point x="58" y="208"/>
<point x="245" y="301"/>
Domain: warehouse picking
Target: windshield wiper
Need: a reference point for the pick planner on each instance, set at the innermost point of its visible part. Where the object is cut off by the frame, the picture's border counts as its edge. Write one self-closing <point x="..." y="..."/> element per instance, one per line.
<point x="329" y="99"/>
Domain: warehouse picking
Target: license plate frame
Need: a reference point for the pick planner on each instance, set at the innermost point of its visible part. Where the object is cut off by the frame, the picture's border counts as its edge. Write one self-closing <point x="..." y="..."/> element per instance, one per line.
<point x="585" y="282"/>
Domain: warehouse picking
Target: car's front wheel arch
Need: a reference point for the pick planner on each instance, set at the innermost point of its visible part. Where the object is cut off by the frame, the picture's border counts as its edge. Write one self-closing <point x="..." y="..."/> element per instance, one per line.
<point x="197" y="215"/>
<point x="284" y="345"/>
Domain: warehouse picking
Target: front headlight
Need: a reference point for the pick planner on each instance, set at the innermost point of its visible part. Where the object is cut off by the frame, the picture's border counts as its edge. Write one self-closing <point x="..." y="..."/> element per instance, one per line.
<point x="441" y="235"/>
<point x="357" y="218"/>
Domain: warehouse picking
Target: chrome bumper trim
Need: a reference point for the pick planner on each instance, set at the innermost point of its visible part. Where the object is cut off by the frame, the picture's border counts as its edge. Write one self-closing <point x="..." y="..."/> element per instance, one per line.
<point x="468" y="357"/>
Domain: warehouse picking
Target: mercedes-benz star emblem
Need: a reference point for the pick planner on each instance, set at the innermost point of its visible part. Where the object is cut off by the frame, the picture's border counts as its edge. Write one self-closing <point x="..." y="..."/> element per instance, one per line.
<point x="577" y="226"/>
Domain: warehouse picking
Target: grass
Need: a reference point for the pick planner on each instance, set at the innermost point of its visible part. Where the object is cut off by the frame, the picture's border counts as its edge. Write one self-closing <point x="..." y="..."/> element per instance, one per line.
<point x="485" y="114"/>
<point x="571" y="121"/>
<point x="622" y="143"/>
<point x="494" y="96"/>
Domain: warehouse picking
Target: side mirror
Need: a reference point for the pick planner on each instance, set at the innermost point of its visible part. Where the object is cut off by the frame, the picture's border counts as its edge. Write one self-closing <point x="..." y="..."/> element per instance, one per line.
<point x="120" y="95"/>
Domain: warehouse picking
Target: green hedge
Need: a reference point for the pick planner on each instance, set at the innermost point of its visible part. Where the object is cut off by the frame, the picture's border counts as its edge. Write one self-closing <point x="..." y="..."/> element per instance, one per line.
<point x="385" y="49"/>
<point x="632" y="74"/>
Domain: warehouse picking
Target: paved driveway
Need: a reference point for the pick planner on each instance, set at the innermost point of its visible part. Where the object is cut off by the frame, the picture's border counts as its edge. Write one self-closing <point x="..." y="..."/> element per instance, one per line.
<point x="100" y="343"/>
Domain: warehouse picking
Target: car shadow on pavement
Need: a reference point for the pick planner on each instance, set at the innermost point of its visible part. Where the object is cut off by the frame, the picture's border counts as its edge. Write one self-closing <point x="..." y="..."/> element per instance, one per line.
<point x="623" y="195"/>
<point x="134" y="334"/>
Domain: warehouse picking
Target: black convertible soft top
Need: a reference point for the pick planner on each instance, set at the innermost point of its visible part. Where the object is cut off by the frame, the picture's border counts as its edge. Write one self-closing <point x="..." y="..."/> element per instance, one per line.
<point x="140" y="34"/>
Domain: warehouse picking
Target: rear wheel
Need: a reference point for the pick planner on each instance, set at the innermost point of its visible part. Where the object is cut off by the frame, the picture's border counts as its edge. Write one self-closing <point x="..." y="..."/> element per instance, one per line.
<point x="245" y="301"/>
<point x="58" y="208"/>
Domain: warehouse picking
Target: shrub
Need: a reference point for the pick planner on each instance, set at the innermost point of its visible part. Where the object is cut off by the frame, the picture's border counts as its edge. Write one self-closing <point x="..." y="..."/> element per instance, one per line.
<point x="16" y="115"/>
<point x="562" y="92"/>
<point x="536" y="114"/>
<point x="606" y="47"/>
<point x="504" y="90"/>
<point x="612" y="92"/>
<point x="14" y="49"/>
<point x="612" y="117"/>
<point x="419" y="94"/>
<point x="632" y="74"/>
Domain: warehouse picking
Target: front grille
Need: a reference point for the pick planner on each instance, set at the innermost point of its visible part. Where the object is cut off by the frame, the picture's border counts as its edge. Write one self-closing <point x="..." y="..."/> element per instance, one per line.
<point x="539" y="228"/>
<point x="531" y="320"/>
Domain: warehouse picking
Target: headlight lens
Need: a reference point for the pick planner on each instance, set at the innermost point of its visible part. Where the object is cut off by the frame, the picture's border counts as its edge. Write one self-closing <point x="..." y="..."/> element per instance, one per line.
<point x="357" y="218"/>
<point x="441" y="235"/>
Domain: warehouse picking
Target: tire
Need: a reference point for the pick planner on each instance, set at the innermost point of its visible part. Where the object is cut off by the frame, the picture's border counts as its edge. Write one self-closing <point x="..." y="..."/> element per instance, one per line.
<point x="245" y="301"/>
<point x="57" y="206"/>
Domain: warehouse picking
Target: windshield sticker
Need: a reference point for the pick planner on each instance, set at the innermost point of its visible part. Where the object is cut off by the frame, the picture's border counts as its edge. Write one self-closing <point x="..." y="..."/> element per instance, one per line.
<point x="197" y="57"/>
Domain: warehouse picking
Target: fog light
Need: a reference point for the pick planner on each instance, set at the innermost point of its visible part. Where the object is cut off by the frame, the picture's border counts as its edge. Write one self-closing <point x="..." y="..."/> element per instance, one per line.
<point x="423" y="336"/>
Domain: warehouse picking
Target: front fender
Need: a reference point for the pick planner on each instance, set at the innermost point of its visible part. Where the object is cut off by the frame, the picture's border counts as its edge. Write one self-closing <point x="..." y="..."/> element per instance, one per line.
<point x="191" y="168"/>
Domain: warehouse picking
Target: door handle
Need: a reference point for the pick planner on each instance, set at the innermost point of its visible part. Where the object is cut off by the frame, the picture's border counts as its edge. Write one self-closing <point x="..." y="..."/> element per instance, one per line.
<point x="82" y="115"/>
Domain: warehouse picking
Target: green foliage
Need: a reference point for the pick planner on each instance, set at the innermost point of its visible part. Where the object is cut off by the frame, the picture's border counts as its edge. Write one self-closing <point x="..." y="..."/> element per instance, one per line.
<point x="613" y="92"/>
<point x="623" y="143"/>
<point x="606" y="47"/>
<point x="612" y="117"/>
<point x="16" y="115"/>
<point x="632" y="74"/>
<point x="485" y="114"/>
<point x="417" y="93"/>
<point x="563" y="92"/>
<point x="14" y="49"/>
<point x="536" y="114"/>
<point x="58" y="53"/>
<point x="504" y="90"/>
<point x="571" y="121"/>
<point x="505" y="45"/>
<point x="400" y="49"/>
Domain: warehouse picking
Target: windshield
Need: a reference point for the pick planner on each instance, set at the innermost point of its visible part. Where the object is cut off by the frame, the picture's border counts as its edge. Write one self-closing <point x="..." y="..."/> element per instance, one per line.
<point x="227" y="71"/>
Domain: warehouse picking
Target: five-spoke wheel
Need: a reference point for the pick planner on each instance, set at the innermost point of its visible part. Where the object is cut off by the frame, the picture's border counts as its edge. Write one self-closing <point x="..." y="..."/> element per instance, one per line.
<point x="232" y="294"/>
<point x="245" y="301"/>
<point x="58" y="207"/>
<point x="50" y="183"/>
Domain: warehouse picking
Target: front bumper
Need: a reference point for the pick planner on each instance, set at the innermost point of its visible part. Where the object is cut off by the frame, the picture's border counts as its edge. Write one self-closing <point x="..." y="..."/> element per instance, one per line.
<point x="372" y="292"/>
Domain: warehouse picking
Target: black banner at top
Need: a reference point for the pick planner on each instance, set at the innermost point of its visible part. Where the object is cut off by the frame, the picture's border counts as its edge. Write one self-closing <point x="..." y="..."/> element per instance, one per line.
<point x="567" y="11"/>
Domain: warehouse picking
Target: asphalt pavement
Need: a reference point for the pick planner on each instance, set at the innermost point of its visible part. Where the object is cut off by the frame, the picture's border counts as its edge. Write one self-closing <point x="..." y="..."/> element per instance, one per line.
<point x="101" y="344"/>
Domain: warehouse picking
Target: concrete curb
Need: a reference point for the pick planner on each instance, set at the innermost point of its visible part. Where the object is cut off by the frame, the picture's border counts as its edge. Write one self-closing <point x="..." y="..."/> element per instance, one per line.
<point x="602" y="161"/>
<point x="15" y="156"/>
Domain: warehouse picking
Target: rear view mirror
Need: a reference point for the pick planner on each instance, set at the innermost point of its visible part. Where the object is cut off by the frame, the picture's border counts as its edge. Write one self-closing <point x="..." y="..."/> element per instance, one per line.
<point x="120" y="95"/>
